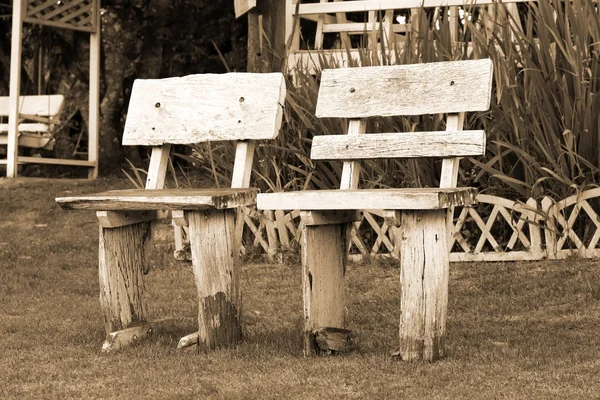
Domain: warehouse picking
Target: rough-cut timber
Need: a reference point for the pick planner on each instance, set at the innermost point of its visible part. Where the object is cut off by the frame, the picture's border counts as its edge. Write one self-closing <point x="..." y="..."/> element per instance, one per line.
<point x="324" y="269"/>
<point x="122" y="262"/>
<point x="365" y="199"/>
<point x="172" y="199"/>
<point x="398" y="145"/>
<point x="215" y="260"/>
<point x="406" y="89"/>
<point x="200" y="108"/>
<point x="424" y="284"/>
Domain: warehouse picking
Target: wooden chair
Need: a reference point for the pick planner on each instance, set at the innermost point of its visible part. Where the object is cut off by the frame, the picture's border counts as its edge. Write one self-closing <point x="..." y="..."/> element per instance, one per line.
<point x="419" y="214"/>
<point x="197" y="108"/>
<point x="38" y="114"/>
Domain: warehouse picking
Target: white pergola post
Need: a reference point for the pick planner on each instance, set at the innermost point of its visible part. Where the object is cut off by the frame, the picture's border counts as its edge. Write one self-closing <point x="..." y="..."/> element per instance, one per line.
<point x="15" y="86"/>
<point x="94" y="99"/>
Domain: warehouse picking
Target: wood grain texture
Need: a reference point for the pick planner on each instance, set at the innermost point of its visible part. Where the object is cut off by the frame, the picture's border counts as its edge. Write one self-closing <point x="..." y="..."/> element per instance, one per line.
<point x="122" y="262"/>
<point x="398" y="145"/>
<point x="206" y="107"/>
<point x="365" y="199"/>
<point x="216" y="268"/>
<point x="171" y="199"/>
<point x="416" y="89"/>
<point x="424" y="284"/>
<point x="324" y="269"/>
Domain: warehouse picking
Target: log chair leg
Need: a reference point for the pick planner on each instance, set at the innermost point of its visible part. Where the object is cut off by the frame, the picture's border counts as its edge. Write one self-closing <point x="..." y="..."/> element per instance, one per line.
<point x="216" y="268"/>
<point x="122" y="253"/>
<point x="324" y="268"/>
<point x="424" y="284"/>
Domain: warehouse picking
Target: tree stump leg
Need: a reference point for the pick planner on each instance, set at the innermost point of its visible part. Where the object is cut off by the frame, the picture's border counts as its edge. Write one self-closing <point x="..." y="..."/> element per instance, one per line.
<point x="216" y="267"/>
<point x="324" y="268"/>
<point x="122" y="263"/>
<point x="424" y="284"/>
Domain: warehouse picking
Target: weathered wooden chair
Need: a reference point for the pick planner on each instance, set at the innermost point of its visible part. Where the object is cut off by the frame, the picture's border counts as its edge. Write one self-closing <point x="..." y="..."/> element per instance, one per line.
<point x="197" y="108"/>
<point x="420" y="214"/>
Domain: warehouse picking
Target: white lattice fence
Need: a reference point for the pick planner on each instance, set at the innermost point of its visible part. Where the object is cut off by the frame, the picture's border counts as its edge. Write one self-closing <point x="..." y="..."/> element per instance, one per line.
<point x="573" y="225"/>
<point x="496" y="229"/>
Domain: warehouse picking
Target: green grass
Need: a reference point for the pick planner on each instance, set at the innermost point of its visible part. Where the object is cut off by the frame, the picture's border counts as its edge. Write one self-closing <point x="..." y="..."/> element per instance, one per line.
<point x="515" y="330"/>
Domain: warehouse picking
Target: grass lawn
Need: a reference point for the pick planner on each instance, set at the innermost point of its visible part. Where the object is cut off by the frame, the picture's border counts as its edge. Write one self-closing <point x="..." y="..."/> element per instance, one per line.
<point x="515" y="330"/>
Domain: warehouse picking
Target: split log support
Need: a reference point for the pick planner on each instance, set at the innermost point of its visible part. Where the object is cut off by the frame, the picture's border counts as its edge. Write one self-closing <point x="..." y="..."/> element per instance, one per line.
<point x="216" y="268"/>
<point x="122" y="263"/>
<point x="423" y="284"/>
<point x="324" y="268"/>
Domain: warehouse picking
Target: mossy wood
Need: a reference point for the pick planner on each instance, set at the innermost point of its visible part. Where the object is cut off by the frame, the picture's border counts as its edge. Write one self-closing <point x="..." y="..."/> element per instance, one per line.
<point x="421" y="239"/>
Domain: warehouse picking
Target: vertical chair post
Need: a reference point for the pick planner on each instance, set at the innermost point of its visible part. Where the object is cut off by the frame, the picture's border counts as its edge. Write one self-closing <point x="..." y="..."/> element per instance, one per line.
<point x="324" y="269"/>
<point x="216" y="268"/>
<point x="122" y="258"/>
<point x="424" y="284"/>
<point x="122" y="262"/>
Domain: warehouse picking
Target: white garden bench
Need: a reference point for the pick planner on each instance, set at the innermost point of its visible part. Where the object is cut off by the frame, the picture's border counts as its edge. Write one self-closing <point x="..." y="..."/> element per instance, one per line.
<point x="38" y="114"/>
<point x="198" y="108"/>
<point x="419" y="214"/>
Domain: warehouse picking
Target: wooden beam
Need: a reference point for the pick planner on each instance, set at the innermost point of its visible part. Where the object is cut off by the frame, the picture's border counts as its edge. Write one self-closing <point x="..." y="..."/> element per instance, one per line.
<point x="376" y="5"/>
<point x="351" y="169"/>
<point x="14" y="88"/>
<point x="324" y="269"/>
<point x="216" y="269"/>
<point x="424" y="285"/>
<point x="166" y="199"/>
<point x="94" y="95"/>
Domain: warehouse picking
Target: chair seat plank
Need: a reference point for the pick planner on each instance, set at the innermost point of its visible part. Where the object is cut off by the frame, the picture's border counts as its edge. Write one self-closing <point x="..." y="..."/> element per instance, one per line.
<point x="171" y="199"/>
<point x="386" y="199"/>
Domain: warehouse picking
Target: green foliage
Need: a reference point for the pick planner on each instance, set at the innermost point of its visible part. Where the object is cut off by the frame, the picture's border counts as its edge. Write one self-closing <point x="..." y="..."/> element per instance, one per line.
<point x="542" y="126"/>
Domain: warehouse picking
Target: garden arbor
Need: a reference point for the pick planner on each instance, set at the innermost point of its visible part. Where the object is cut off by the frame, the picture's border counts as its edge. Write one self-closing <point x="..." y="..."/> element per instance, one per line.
<point x="79" y="15"/>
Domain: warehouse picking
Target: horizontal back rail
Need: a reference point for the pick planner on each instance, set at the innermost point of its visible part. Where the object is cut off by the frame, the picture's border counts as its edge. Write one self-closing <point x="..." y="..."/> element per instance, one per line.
<point x="376" y="5"/>
<point x="206" y="107"/>
<point x="398" y="145"/>
<point x="42" y="105"/>
<point x="415" y="89"/>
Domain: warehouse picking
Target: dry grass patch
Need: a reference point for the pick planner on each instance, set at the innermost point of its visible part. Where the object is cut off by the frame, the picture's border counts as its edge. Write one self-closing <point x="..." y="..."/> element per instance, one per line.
<point x="516" y="330"/>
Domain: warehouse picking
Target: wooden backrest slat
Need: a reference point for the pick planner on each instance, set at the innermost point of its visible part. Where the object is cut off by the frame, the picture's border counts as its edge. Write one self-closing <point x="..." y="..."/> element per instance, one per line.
<point x="398" y="145"/>
<point x="416" y="89"/>
<point x="40" y="105"/>
<point x="206" y="107"/>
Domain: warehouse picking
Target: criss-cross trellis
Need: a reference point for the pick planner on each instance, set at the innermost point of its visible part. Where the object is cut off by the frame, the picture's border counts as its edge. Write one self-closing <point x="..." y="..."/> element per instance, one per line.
<point x="573" y="225"/>
<point x="74" y="14"/>
<point x="495" y="229"/>
<point x="79" y="15"/>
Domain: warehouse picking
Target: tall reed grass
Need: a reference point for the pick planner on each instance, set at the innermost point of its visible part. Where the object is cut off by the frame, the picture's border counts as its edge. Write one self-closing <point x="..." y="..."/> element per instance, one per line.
<point x="542" y="126"/>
